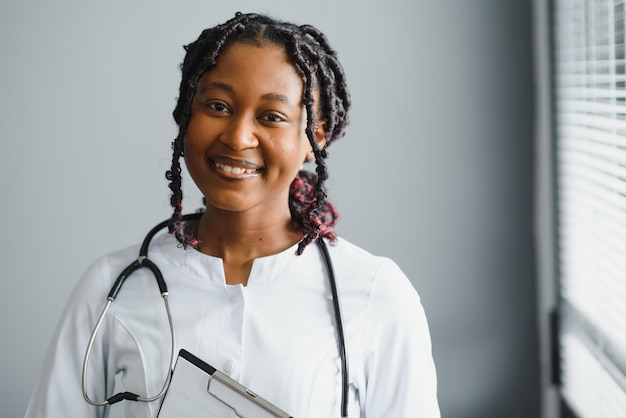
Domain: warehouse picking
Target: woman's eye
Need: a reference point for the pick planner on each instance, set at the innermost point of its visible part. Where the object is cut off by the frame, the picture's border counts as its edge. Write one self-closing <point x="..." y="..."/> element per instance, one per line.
<point x="272" y="117"/>
<point x="217" y="106"/>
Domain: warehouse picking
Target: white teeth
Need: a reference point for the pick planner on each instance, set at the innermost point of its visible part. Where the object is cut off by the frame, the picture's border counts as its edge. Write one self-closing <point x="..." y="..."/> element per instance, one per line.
<point x="234" y="170"/>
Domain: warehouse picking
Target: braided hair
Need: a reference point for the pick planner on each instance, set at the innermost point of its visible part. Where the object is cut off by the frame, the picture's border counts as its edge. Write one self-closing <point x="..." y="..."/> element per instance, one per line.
<point x="316" y="62"/>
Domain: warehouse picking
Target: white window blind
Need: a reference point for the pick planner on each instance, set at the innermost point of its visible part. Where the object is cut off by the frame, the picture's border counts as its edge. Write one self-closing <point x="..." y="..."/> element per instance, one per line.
<point x="590" y="126"/>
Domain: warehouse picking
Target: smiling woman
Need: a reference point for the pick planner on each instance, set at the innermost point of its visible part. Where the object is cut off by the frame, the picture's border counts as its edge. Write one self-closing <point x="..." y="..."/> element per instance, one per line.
<point x="312" y="61"/>
<point x="258" y="98"/>
<point x="245" y="143"/>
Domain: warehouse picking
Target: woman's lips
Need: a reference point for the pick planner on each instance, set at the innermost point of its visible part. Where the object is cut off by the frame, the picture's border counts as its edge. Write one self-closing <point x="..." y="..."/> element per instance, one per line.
<point x="233" y="168"/>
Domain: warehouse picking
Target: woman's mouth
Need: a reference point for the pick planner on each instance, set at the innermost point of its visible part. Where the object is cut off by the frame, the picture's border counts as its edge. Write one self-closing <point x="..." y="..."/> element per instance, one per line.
<point x="235" y="169"/>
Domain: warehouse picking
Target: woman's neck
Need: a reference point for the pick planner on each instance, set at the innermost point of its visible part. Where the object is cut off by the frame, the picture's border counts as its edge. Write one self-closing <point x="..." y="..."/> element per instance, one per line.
<point x="238" y="236"/>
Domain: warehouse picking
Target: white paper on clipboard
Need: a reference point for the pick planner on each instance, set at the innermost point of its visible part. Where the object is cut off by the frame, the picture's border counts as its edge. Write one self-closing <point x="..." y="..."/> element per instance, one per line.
<point x="199" y="390"/>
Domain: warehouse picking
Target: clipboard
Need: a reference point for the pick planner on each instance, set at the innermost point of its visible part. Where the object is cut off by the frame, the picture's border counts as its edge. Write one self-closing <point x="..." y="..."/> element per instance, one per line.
<point x="199" y="390"/>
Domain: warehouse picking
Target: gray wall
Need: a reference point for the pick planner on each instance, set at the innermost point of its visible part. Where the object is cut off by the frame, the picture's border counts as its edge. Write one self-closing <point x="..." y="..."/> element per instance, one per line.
<point x="436" y="169"/>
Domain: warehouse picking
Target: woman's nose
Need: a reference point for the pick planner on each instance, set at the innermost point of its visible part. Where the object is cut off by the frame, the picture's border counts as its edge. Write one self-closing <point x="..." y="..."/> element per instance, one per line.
<point x="240" y="133"/>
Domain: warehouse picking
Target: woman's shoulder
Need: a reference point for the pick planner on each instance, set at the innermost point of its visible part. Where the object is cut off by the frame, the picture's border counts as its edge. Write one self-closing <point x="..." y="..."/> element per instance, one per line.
<point x="352" y="254"/>
<point x="102" y="271"/>
<point x="116" y="259"/>
<point x="377" y="272"/>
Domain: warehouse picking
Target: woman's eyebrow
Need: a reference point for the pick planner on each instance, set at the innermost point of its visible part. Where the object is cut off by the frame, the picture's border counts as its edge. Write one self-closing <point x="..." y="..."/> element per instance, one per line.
<point x="278" y="97"/>
<point x="228" y="88"/>
<point x="217" y="85"/>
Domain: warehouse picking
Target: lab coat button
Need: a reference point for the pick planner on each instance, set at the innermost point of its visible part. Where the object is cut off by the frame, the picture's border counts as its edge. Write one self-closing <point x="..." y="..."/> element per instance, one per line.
<point x="234" y="297"/>
<point x="228" y="367"/>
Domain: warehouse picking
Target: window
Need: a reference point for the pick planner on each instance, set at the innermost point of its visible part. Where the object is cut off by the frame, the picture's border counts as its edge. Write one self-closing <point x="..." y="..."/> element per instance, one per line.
<point x="590" y="153"/>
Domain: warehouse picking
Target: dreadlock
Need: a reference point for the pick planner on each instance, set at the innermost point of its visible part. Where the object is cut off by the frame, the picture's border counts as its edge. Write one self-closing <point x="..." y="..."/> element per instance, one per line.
<point x="316" y="62"/>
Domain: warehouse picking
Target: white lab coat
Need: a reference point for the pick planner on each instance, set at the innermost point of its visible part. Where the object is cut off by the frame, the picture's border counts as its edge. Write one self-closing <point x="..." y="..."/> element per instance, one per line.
<point x="276" y="335"/>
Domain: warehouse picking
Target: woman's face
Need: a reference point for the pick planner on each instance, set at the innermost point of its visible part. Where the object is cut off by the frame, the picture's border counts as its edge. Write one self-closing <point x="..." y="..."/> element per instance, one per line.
<point x="245" y="141"/>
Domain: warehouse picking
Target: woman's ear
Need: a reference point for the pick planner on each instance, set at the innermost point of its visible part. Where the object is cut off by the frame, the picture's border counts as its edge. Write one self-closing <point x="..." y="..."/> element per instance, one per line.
<point x="320" y="138"/>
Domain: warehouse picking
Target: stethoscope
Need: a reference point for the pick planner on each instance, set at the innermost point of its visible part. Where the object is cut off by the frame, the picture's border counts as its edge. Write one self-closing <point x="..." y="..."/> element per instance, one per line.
<point x="144" y="262"/>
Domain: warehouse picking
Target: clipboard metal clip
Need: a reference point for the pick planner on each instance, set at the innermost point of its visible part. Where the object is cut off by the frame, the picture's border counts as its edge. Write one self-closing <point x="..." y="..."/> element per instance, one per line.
<point x="239" y="398"/>
<point x="217" y="397"/>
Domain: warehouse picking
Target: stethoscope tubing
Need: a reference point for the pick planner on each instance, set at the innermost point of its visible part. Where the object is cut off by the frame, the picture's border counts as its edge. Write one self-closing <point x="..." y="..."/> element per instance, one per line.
<point x="143" y="262"/>
<point x="340" y="333"/>
<point x="137" y="264"/>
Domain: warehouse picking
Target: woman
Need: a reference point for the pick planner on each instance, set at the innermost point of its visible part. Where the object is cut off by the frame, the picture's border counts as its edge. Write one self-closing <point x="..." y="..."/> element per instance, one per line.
<point x="258" y="98"/>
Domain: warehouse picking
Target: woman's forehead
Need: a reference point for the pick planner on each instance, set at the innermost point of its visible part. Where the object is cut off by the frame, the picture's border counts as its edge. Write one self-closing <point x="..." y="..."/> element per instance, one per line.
<point x="251" y="66"/>
<point x="247" y="56"/>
